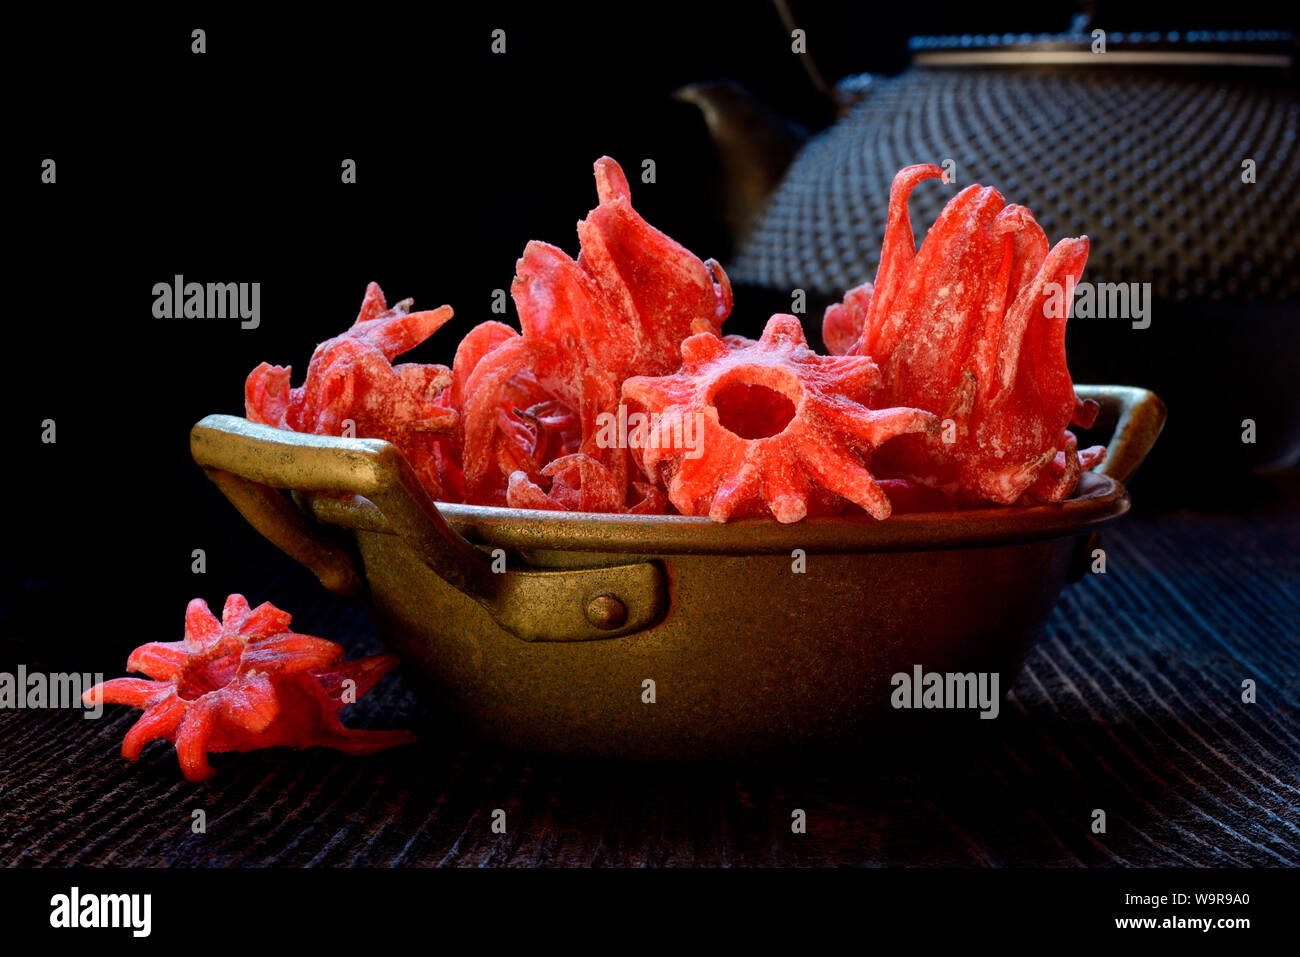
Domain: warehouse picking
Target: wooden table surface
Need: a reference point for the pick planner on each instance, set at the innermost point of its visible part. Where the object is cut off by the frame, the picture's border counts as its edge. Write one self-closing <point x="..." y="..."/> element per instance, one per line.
<point x="1130" y="703"/>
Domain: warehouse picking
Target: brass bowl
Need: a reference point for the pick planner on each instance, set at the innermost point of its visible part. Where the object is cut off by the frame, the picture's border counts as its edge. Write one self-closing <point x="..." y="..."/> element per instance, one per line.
<point x="747" y="655"/>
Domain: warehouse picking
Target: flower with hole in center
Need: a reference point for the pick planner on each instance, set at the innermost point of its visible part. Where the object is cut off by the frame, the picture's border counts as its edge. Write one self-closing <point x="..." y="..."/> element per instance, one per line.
<point x="777" y="429"/>
<point x="243" y="683"/>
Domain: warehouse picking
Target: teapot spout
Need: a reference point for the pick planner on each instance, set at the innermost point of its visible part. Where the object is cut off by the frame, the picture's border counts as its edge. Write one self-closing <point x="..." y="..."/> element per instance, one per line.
<point x="753" y="143"/>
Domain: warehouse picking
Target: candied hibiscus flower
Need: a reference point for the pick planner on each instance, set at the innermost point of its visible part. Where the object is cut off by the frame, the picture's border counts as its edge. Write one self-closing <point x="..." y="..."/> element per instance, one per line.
<point x="766" y="427"/>
<point x="243" y="683"/>
<point x="351" y="378"/>
<point x="521" y="426"/>
<point x="972" y="328"/>
<point x="532" y="402"/>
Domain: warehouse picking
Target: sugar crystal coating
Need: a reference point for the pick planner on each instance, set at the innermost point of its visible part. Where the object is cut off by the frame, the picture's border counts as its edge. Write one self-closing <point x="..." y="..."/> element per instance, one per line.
<point x="243" y="683"/>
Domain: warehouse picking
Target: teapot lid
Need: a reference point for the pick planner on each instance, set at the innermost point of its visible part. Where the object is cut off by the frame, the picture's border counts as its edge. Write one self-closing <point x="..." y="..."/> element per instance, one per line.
<point x="1082" y="45"/>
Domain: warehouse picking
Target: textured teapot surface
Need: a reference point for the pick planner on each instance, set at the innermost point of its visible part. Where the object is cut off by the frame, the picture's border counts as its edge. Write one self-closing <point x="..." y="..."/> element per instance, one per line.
<point x="1150" y="162"/>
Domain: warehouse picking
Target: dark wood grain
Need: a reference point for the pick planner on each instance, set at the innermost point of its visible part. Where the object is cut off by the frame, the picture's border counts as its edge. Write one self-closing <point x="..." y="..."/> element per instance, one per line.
<point x="1131" y="703"/>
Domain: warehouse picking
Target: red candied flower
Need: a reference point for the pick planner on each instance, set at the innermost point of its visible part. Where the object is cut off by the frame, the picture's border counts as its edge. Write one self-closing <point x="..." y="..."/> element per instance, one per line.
<point x="1059" y="478"/>
<point x="907" y="496"/>
<point x="843" y="322"/>
<point x="767" y="427"/>
<point x="528" y="404"/>
<point x="351" y="377"/>
<point x="972" y="328"/>
<point x="621" y="309"/>
<point x="521" y="427"/>
<point x="243" y="683"/>
<point x="632" y="295"/>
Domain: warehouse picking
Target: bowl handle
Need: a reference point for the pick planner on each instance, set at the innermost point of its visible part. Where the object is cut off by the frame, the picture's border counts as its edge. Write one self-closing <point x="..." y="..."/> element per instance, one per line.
<point x="249" y="461"/>
<point x="1136" y="417"/>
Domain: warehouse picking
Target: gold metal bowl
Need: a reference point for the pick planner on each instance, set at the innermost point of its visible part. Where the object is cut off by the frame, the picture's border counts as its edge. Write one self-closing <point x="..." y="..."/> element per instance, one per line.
<point x="758" y="637"/>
